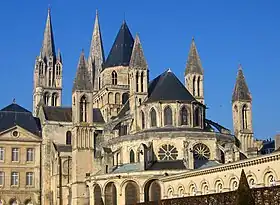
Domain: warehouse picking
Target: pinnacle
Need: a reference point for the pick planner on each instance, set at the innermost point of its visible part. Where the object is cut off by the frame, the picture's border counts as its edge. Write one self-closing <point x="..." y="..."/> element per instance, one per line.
<point x="241" y="91"/>
<point x="137" y="57"/>
<point x="193" y="62"/>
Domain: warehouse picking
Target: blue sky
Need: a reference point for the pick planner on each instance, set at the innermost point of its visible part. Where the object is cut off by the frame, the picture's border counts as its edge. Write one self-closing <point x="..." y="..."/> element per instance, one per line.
<point x="226" y="32"/>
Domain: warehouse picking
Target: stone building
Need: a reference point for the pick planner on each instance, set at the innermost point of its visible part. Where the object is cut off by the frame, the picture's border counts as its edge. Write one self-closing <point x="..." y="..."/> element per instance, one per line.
<point x="127" y="138"/>
<point x="20" y="156"/>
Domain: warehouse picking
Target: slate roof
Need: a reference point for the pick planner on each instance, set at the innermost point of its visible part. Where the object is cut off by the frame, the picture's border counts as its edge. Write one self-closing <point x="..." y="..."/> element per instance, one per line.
<point x="170" y="165"/>
<point x="64" y="114"/>
<point x="121" y="50"/>
<point x="193" y="62"/>
<point x="132" y="167"/>
<point x="167" y="87"/>
<point x="15" y="115"/>
<point x="82" y="80"/>
<point x="241" y="91"/>
<point x="63" y="148"/>
<point x="201" y="164"/>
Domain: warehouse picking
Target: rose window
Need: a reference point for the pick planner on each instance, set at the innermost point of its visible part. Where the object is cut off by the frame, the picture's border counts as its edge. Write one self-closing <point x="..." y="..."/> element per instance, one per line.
<point x="168" y="152"/>
<point x="201" y="152"/>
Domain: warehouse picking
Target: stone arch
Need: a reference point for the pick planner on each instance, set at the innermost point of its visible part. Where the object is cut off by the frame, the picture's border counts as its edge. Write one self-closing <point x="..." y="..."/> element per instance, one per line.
<point x="110" y="98"/>
<point x="170" y="192"/>
<point x="14" y="201"/>
<point x="251" y="178"/>
<point x="125" y="97"/>
<point x="83" y="108"/>
<point x="110" y="192"/>
<point x="114" y="78"/>
<point x="132" y="192"/>
<point x="117" y="98"/>
<point x="168" y="118"/>
<point x="245" y="121"/>
<point x="201" y="154"/>
<point x="184" y="116"/>
<point x="132" y="156"/>
<point x="181" y="191"/>
<point x="192" y="189"/>
<point x="219" y="185"/>
<point x="204" y="187"/>
<point x="97" y="193"/>
<point x="54" y="99"/>
<point x="46" y="98"/>
<point x="269" y="177"/>
<point x="152" y="190"/>
<point x="233" y="183"/>
<point x="153" y="117"/>
<point x="197" y="117"/>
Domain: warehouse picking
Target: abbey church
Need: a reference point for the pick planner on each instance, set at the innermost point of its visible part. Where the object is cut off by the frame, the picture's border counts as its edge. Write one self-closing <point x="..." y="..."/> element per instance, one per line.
<point x="126" y="138"/>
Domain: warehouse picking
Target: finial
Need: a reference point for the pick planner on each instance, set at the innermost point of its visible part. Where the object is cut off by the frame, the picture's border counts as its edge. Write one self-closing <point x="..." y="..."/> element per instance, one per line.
<point x="96" y="12"/>
<point x="49" y="9"/>
<point x="14" y="101"/>
<point x="169" y="70"/>
<point x="123" y="17"/>
<point x="239" y="66"/>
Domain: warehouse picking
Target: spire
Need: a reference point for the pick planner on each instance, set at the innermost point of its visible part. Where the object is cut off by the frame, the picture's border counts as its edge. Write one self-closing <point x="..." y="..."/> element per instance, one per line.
<point x="193" y="62"/>
<point x="137" y="59"/>
<point x="120" y="52"/>
<point x="82" y="80"/>
<point x="48" y="48"/>
<point x="96" y="47"/>
<point x="241" y="91"/>
<point x="58" y="57"/>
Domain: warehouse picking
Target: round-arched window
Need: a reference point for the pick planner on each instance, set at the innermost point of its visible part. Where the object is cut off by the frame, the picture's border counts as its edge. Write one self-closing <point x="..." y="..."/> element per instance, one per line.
<point x="168" y="152"/>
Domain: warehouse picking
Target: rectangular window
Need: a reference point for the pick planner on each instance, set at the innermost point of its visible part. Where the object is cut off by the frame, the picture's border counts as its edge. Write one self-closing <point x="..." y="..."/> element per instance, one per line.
<point x="15" y="179"/>
<point x="15" y="153"/>
<point x="29" y="178"/>
<point x="2" y="154"/>
<point x="30" y="155"/>
<point x="2" y="177"/>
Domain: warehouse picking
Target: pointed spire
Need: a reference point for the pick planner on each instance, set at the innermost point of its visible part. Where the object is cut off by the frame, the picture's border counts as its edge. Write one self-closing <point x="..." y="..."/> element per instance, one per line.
<point x="137" y="59"/>
<point x="96" y="47"/>
<point x="82" y="80"/>
<point x="48" y="47"/>
<point x="121" y="50"/>
<point x="241" y="91"/>
<point x="193" y="62"/>
<point x="58" y="57"/>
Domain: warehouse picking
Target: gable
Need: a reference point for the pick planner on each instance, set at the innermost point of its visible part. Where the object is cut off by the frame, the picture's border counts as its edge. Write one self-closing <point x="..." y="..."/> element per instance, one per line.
<point x="18" y="133"/>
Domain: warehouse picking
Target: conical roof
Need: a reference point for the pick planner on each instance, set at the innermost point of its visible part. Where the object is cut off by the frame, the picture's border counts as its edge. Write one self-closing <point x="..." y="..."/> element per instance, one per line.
<point x="193" y="62"/>
<point x="82" y="80"/>
<point x="241" y="91"/>
<point x="121" y="50"/>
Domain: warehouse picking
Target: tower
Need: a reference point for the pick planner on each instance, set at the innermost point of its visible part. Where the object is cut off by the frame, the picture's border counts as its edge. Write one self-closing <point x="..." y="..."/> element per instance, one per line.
<point x="47" y="88"/>
<point x="82" y="132"/>
<point x="96" y="56"/>
<point x="139" y="77"/>
<point x="194" y="74"/>
<point x="242" y="112"/>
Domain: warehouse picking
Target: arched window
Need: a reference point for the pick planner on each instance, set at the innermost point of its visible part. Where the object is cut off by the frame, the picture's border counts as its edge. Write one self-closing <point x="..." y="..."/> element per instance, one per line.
<point x="124" y="98"/>
<point x="41" y="68"/>
<point x="50" y="77"/>
<point x="184" y="116"/>
<point x="142" y="82"/>
<point x="143" y="119"/>
<point x="97" y="195"/>
<point x="198" y="86"/>
<point x="110" y="98"/>
<point x="114" y="78"/>
<point x="155" y="191"/>
<point x="68" y="137"/>
<point x="117" y="98"/>
<point x="167" y="116"/>
<point x="46" y="98"/>
<point x="137" y="81"/>
<point x="153" y="117"/>
<point x="54" y="99"/>
<point x="245" y="117"/>
<point x="197" y="117"/>
<point x="132" y="193"/>
<point x="132" y="156"/>
<point x="83" y="109"/>
<point x="111" y="194"/>
<point x="194" y="86"/>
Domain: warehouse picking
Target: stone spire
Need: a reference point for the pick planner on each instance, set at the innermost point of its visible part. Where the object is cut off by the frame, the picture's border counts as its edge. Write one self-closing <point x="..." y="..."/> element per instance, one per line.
<point x="58" y="57"/>
<point x="48" y="47"/>
<point x="82" y="80"/>
<point x="96" y="54"/>
<point x="241" y="91"/>
<point x="137" y="59"/>
<point x="193" y="62"/>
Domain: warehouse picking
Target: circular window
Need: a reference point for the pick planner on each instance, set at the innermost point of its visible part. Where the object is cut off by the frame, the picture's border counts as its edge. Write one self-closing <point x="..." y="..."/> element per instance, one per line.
<point x="201" y="152"/>
<point x="15" y="133"/>
<point x="168" y="152"/>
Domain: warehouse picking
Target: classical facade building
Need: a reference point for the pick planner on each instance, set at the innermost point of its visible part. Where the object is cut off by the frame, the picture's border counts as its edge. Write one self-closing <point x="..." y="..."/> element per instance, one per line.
<point x="127" y="138"/>
<point x="20" y="156"/>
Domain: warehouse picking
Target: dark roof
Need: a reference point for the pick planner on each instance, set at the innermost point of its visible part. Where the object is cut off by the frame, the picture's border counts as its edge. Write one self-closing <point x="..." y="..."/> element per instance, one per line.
<point x="172" y="164"/>
<point x="64" y="114"/>
<point x="61" y="114"/>
<point x="137" y="57"/>
<point x="241" y="91"/>
<point x="194" y="63"/>
<point x="15" y="115"/>
<point x="82" y="79"/>
<point x="167" y="87"/>
<point x="121" y="50"/>
<point x="63" y="148"/>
